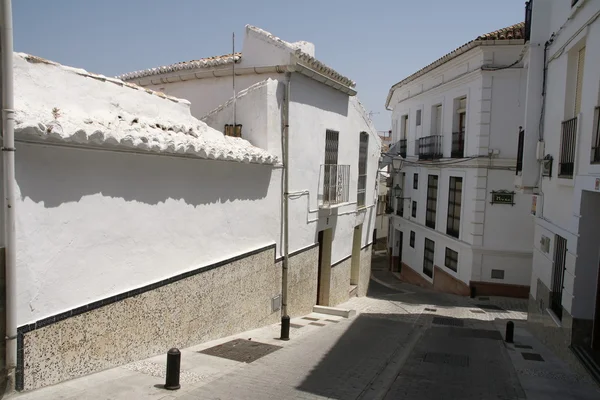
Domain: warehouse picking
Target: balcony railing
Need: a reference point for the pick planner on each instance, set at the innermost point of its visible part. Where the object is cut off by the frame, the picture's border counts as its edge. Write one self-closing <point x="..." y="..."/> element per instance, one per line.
<point x="334" y="180"/>
<point x="566" y="162"/>
<point x="458" y="145"/>
<point x="402" y="148"/>
<point x="596" y="143"/>
<point x="430" y="147"/>
<point x="520" y="151"/>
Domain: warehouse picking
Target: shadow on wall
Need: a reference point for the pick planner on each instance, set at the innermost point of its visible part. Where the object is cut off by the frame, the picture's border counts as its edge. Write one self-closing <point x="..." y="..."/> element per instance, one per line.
<point x="57" y="175"/>
<point x="312" y="93"/>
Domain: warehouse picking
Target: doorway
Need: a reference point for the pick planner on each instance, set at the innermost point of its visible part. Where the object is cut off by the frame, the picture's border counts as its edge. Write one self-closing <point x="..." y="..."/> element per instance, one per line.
<point x="324" y="267"/>
<point x="397" y="264"/>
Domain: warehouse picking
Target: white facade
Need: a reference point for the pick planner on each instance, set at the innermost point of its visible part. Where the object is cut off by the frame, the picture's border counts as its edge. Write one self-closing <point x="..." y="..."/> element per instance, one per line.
<point x="493" y="239"/>
<point x="564" y="299"/>
<point x="142" y="226"/>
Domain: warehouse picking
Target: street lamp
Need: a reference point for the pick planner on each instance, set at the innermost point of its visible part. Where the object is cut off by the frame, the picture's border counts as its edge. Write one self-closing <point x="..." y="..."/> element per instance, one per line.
<point x="397" y="191"/>
<point x="397" y="164"/>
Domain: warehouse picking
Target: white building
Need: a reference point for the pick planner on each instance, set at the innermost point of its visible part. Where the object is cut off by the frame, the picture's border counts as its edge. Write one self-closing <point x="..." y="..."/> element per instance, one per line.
<point x="458" y="226"/>
<point x="561" y="164"/>
<point x="382" y="220"/>
<point x="140" y="228"/>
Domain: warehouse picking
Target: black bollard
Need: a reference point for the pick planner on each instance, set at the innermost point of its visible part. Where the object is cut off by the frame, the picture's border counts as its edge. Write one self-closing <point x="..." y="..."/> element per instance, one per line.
<point x="285" y="327"/>
<point x="510" y="331"/>
<point x="173" y="367"/>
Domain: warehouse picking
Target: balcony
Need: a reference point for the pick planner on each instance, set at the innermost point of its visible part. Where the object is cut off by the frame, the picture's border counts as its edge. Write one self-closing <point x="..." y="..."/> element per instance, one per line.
<point x="596" y="143"/>
<point x="402" y="148"/>
<point x="566" y="162"/>
<point x="458" y="145"/>
<point x="334" y="183"/>
<point x="520" y="151"/>
<point x="430" y="147"/>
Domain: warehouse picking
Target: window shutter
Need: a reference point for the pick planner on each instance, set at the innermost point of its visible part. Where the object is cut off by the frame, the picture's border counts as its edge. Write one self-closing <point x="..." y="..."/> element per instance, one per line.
<point x="579" y="82"/>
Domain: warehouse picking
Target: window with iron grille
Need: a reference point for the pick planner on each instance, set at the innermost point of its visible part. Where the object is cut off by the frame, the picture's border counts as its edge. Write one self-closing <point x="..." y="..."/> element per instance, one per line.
<point x="331" y="158"/>
<point x="454" y="206"/>
<point x="428" y="257"/>
<point x="431" y="209"/>
<point x="412" y="239"/>
<point x="596" y="142"/>
<point x="362" y="169"/>
<point x="414" y="209"/>
<point x="418" y="118"/>
<point x="415" y="181"/>
<point x="451" y="259"/>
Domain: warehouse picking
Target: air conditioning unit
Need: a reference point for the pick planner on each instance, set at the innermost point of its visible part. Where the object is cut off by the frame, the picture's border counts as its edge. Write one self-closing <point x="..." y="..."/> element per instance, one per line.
<point x="537" y="202"/>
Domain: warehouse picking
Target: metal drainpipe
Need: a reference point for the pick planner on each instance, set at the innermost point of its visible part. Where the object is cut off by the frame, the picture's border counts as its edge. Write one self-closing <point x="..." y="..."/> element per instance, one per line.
<point x="285" y="318"/>
<point x="8" y="152"/>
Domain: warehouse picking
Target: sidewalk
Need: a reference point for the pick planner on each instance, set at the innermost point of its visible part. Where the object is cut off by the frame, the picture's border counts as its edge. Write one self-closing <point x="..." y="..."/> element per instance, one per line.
<point x="405" y="342"/>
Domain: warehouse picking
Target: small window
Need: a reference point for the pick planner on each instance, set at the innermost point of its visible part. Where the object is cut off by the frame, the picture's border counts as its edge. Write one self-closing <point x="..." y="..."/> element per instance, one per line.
<point x="404" y="127"/>
<point x="415" y="181"/>
<point x="451" y="259"/>
<point x="454" y="206"/>
<point x="431" y="206"/>
<point x="428" y="254"/>
<point x="412" y="239"/>
<point x="362" y="169"/>
<point x="232" y="131"/>
<point x="418" y="118"/>
<point x="414" y="209"/>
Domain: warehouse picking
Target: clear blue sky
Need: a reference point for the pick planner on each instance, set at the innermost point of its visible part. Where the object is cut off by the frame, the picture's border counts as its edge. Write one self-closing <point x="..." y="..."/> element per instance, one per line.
<point x="374" y="42"/>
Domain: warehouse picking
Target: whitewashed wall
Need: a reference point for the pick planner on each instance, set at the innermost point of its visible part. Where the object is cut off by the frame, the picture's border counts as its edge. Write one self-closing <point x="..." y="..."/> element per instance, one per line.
<point x="97" y="223"/>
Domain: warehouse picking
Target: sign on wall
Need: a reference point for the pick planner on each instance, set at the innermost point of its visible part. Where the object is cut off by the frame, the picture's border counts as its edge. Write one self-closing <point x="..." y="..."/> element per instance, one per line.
<point x="503" y="197"/>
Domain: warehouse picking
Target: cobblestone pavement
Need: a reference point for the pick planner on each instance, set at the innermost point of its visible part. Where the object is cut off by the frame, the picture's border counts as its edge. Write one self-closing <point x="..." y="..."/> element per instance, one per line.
<point x="405" y="342"/>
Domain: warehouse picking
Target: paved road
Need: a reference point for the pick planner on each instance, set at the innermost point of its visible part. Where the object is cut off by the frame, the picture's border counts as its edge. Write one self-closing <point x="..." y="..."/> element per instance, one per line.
<point x="405" y="343"/>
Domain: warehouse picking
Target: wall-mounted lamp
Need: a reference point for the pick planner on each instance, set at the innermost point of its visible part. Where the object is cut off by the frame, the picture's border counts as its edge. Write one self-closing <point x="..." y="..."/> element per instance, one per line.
<point x="397" y="164"/>
<point x="397" y="191"/>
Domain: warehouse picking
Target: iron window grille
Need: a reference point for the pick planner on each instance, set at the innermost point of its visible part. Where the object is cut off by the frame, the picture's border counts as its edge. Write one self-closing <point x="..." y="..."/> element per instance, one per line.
<point x="428" y="255"/>
<point x="454" y="206"/>
<point x="412" y="239"/>
<point x="415" y="181"/>
<point x="334" y="178"/>
<point x="414" y="209"/>
<point x="451" y="261"/>
<point x="362" y="169"/>
<point x="403" y="148"/>
<point x="596" y="144"/>
<point x="566" y="162"/>
<point x="431" y="207"/>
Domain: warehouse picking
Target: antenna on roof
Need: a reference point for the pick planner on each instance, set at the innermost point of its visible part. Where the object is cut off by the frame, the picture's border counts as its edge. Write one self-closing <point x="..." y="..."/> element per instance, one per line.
<point x="233" y="78"/>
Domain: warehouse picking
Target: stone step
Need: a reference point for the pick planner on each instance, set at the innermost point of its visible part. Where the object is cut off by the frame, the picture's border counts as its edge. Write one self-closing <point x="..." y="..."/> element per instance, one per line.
<point x="339" y="312"/>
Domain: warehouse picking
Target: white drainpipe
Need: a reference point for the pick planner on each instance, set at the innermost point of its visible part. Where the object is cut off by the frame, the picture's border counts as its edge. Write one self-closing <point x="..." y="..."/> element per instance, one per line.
<point x="8" y="152"/>
<point x="285" y="318"/>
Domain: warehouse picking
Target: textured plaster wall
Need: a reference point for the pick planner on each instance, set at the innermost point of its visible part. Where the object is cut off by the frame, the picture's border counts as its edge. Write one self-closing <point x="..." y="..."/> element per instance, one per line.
<point x="365" y="271"/>
<point x="91" y="224"/>
<point x="340" y="282"/>
<point x="212" y="304"/>
<point x="302" y="281"/>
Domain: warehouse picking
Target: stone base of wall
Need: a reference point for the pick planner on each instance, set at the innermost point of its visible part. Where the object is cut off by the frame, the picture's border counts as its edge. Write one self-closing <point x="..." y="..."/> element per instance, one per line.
<point x="408" y="275"/>
<point x="444" y="282"/>
<point x="201" y="305"/>
<point x="339" y="289"/>
<point x="500" y="289"/>
<point x="541" y="324"/>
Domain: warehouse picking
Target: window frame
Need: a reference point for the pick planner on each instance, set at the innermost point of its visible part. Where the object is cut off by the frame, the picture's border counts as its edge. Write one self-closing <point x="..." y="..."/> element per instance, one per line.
<point x="428" y="257"/>
<point x="416" y="181"/>
<point x="452" y="259"/>
<point x="412" y="239"/>
<point x="361" y="184"/>
<point x="453" y="229"/>
<point x="418" y="117"/>
<point x="413" y="211"/>
<point x="431" y="204"/>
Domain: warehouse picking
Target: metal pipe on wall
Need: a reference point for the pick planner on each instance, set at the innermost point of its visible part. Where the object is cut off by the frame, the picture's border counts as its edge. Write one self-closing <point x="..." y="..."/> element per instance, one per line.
<point x="8" y="152"/>
<point x="285" y="318"/>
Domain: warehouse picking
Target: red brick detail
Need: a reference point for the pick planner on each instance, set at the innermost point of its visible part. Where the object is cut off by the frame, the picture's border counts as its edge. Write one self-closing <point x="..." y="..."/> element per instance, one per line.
<point x="444" y="282"/>
<point x="500" y="289"/>
<point x="411" y="276"/>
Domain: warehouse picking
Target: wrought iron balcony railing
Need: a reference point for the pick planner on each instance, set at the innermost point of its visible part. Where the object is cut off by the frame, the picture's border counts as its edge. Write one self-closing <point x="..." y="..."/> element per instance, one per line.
<point x="430" y="147"/>
<point x="566" y="162"/>
<point x="458" y="145"/>
<point x="334" y="182"/>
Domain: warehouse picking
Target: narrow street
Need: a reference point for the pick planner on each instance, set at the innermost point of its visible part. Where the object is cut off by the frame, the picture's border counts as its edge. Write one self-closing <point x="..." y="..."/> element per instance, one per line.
<point x="404" y="343"/>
